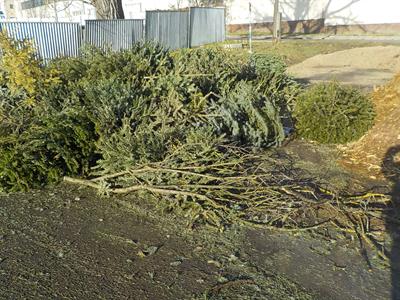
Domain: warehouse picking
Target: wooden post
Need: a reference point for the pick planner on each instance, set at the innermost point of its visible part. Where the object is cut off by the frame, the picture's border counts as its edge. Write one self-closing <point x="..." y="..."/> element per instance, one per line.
<point x="276" y="27"/>
<point x="189" y="33"/>
<point x="279" y="28"/>
<point x="250" y="30"/>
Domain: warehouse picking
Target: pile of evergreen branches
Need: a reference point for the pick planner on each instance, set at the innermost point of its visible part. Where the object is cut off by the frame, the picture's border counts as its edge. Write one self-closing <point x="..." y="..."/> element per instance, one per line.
<point x="181" y="127"/>
<point x="105" y="112"/>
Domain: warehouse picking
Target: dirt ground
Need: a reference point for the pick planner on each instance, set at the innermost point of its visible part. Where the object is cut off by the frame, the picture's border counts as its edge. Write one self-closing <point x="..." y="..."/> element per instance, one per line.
<point x="66" y="242"/>
<point x="365" y="67"/>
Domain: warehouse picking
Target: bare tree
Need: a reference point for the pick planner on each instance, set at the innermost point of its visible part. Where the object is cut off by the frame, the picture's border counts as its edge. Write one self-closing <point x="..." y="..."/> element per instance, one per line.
<point x="200" y="3"/>
<point x="108" y="9"/>
<point x="178" y="4"/>
<point x="206" y="2"/>
<point x="277" y="22"/>
<point x="52" y="9"/>
<point x="105" y="9"/>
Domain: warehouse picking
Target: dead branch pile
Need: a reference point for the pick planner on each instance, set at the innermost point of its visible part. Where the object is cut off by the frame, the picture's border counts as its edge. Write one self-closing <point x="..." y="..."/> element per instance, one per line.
<point x="235" y="186"/>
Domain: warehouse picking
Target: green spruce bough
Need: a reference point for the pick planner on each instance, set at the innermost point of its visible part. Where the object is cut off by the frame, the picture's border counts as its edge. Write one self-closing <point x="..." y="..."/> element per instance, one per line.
<point x="105" y="112"/>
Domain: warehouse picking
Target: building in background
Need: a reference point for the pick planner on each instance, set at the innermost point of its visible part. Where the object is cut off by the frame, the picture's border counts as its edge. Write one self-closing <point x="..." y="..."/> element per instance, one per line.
<point x="135" y="9"/>
<point x="77" y="10"/>
<point x="334" y="12"/>
<point x="54" y="10"/>
<point x="8" y="10"/>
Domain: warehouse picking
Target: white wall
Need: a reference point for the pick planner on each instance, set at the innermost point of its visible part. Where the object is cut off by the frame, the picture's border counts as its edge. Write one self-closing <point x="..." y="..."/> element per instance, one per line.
<point x="335" y="11"/>
<point x="364" y="12"/>
<point x="135" y="9"/>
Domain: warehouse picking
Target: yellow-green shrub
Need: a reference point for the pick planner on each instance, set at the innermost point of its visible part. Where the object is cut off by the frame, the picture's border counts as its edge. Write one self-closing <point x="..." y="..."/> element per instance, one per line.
<point x="20" y="69"/>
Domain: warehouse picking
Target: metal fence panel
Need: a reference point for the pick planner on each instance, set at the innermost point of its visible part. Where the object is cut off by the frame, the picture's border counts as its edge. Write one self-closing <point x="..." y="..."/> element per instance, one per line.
<point x="51" y="39"/>
<point x="115" y="34"/>
<point x="207" y="25"/>
<point x="173" y="29"/>
<point x="169" y="28"/>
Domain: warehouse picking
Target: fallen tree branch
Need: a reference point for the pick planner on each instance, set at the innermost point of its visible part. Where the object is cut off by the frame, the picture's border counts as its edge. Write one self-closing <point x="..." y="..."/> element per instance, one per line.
<point x="153" y="189"/>
<point x="240" y="189"/>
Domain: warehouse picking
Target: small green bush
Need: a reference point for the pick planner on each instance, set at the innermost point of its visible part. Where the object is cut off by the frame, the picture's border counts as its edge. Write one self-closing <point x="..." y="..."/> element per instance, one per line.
<point x="268" y="64"/>
<point x="333" y="113"/>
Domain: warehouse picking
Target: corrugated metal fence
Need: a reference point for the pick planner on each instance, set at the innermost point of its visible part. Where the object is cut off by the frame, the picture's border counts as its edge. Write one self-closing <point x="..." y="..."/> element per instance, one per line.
<point x="50" y="39"/>
<point x="169" y="28"/>
<point x="114" y="34"/>
<point x="173" y="29"/>
<point x="55" y="39"/>
<point x="179" y="29"/>
<point x="207" y="25"/>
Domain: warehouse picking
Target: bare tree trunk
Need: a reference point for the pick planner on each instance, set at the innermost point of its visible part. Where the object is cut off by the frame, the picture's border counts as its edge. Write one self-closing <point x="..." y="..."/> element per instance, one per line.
<point x="55" y="10"/>
<point x="108" y="9"/>
<point x="277" y="22"/>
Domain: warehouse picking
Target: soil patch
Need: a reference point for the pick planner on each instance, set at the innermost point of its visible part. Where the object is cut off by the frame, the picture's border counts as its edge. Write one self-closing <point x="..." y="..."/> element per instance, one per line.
<point x="67" y="242"/>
